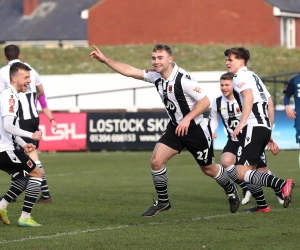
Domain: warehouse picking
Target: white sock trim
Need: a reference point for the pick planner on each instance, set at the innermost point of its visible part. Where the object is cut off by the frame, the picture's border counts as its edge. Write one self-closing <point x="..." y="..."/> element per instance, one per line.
<point x="25" y="215"/>
<point x="247" y="176"/>
<point x="157" y="171"/>
<point x="230" y="168"/>
<point x="3" y="204"/>
<point x="220" y="168"/>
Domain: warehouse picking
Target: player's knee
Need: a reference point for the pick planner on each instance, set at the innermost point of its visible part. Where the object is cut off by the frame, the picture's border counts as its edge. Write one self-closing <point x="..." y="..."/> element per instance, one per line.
<point x="227" y="160"/>
<point x="211" y="170"/>
<point x="37" y="173"/>
<point x="156" y="163"/>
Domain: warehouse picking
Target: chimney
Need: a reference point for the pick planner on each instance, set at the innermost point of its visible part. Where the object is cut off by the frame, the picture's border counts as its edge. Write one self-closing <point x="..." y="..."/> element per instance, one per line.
<point x="29" y="6"/>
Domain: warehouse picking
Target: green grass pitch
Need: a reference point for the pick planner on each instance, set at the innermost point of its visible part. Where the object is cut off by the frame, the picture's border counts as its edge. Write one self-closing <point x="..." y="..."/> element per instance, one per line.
<point x="98" y="199"/>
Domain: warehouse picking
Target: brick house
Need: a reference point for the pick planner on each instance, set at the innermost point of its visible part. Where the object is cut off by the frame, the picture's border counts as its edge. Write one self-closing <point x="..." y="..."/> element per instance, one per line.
<point x="263" y="22"/>
<point x="49" y="23"/>
<point x="115" y="22"/>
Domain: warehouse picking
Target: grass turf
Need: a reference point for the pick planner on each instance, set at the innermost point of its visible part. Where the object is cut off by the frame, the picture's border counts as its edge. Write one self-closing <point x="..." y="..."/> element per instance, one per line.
<point x="98" y="199"/>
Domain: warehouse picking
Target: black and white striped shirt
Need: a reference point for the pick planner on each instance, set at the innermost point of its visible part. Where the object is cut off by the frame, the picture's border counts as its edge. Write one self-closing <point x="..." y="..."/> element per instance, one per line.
<point x="179" y="94"/>
<point x="27" y="109"/>
<point x="230" y="112"/>
<point x="245" y="79"/>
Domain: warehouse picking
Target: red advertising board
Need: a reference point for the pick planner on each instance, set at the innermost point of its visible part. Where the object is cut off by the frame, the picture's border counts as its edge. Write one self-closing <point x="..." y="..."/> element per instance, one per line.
<point x="69" y="136"/>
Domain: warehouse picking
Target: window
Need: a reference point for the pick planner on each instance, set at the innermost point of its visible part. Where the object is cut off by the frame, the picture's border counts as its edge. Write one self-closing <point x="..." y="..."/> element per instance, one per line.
<point x="287" y="31"/>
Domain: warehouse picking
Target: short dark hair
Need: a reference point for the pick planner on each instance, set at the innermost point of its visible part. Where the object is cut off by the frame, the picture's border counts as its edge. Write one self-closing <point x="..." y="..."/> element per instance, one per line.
<point x="15" y="67"/>
<point x="11" y="52"/>
<point x="161" y="46"/>
<point x="227" y="76"/>
<point x="239" y="52"/>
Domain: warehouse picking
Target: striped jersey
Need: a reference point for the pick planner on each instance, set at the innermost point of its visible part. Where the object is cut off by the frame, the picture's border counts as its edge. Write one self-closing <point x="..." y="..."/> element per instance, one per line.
<point x="245" y="79"/>
<point x="27" y="109"/>
<point x="179" y="94"/>
<point x="230" y="112"/>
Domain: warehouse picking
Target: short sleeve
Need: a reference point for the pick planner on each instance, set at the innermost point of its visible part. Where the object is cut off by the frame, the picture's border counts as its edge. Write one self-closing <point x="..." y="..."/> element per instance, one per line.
<point x="37" y="77"/>
<point x="193" y="89"/>
<point x="9" y="104"/>
<point x="151" y="76"/>
<point x="242" y="81"/>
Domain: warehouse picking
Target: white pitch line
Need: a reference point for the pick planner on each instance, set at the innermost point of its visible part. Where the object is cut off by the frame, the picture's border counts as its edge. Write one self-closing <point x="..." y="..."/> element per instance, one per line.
<point x="126" y="226"/>
<point x="68" y="174"/>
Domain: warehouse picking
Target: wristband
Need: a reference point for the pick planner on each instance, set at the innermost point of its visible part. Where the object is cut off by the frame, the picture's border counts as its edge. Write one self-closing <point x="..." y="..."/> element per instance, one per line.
<point x="52" y="119"/>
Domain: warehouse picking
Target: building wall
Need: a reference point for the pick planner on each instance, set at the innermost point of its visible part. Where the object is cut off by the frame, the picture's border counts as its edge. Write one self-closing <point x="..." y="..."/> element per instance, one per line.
<point x="116" y="22"/>
<point x="276" y="30"/>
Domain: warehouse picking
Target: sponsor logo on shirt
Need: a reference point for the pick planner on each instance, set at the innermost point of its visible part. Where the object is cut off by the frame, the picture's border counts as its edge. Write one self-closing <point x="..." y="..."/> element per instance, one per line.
<point x="11" y="102"/>
<point x="11" y="105"/>
<point x="197" y="89"/>
<point x="241" y="84"/>
<point x="263" y="97"/>
<point x="29" y="163"/>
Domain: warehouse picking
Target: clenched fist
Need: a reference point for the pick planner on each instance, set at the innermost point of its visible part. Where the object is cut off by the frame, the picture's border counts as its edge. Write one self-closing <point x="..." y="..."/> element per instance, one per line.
<point x="29" y="147"/>
<point x="37" y="135"/>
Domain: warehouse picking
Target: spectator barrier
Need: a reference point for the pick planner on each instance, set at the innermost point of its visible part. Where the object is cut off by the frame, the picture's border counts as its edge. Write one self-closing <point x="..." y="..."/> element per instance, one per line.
<point x="131" y="131"/>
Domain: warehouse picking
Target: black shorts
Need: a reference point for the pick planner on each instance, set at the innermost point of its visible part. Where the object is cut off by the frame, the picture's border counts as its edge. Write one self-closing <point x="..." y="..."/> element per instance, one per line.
<point x="232" y="147"/>
<point x="262" y="161"/>
<point x="252" y="143"/>
<point x="198" y="142"/>
<point x="16" y="163"/>
<point x="30" y="125"/>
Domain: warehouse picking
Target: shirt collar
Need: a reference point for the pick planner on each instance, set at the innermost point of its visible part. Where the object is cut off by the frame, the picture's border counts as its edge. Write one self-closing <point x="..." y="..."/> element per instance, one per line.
<point x="13" y="90"/>
<point x="174" y="72"/>
<point x="13" y="61"/>
<point x="226" y="100"/>
<point x="241" y="69"/>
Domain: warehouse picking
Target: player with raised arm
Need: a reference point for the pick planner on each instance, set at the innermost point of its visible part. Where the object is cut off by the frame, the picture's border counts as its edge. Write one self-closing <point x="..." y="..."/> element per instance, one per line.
<point x="185" y="101"/>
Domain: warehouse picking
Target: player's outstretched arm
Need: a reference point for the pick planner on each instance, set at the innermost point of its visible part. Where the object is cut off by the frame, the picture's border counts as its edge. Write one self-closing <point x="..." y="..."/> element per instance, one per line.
<point x="122" y="68"/>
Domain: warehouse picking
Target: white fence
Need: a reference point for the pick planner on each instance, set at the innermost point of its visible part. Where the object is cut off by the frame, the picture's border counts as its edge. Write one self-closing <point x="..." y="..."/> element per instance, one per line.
<point x="78" y="84"/>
